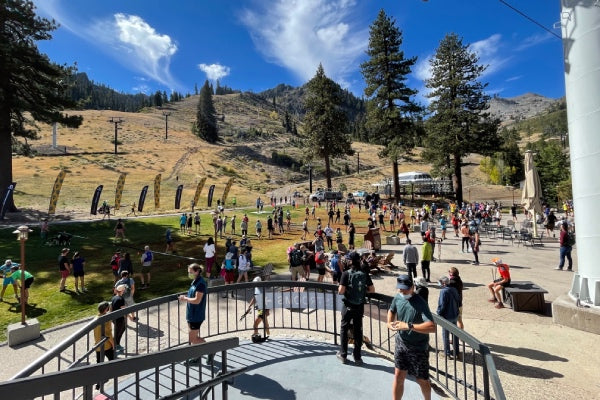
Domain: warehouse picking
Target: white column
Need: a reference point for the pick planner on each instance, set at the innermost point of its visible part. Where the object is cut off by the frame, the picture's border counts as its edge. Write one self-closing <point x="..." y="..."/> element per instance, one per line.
<point x="580" y="22"/>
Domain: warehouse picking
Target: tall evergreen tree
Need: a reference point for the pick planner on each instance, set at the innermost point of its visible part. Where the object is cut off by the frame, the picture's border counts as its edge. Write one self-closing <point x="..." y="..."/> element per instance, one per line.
<point x="390" y="110"/>
<point x="206" y="118"/>
<point x="32" y="88"/>
<point x="325" y="122"/>
<point x="459" y="124"/>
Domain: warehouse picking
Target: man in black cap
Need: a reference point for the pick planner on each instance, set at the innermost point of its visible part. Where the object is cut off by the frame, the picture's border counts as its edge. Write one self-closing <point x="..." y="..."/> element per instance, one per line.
<point x="411" y="317"/>
<point x="354" y="284"/>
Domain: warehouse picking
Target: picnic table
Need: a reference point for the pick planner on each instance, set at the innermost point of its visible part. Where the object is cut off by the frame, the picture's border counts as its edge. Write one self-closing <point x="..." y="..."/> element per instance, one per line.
<point x="525" y="296"/>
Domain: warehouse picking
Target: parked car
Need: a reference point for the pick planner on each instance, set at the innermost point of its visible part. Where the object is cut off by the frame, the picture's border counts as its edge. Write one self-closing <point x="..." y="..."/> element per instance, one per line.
<point x="326" y="195"/>
<point x="297" y="194"/>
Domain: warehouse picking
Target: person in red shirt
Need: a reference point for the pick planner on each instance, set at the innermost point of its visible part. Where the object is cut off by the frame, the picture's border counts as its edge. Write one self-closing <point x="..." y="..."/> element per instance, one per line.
<point x="497" y="285"/>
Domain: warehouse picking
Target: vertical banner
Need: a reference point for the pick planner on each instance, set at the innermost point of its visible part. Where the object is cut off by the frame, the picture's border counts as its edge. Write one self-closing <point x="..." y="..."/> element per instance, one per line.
<point x="56" y="191"/>
<point x="226" y="192"/>
<point x="142" y="198"/>
<point x="95" y="200"/>
<point x="178" y="196"/>
<point x="199" y="190"/>
<point x="119" y="191"/>
<point x="157" y="192"/>
<point x="6" y="199"/>
<point x="211" y="192"/>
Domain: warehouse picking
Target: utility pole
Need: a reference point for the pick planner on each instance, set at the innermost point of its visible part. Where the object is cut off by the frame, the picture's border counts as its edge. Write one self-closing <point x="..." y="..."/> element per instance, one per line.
<point x="358" y="163"/>
<point x="166" y="114"/>
<point x="117" y="121"/>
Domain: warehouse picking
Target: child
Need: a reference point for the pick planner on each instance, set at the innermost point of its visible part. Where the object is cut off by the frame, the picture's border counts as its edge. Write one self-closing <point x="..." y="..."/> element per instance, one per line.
<point x="262" y="313"/>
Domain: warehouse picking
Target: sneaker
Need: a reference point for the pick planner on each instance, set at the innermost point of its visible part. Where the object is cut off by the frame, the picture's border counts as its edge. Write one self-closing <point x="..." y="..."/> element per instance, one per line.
<point x="570" y="269"/>
<point x="62" y="290"/>
<point x="84" y="290"/>
<point x="192" y="361"/>
<point x="232" y="296"/>
<point x="210" y="358"/>
<point x="119" y="349"/>
<point x="499" y="305"/>
<point x="358" y="362"/>
<point x="341" y="358"/>
<point x="492" y="300"/>
<point x="558" y="268"/>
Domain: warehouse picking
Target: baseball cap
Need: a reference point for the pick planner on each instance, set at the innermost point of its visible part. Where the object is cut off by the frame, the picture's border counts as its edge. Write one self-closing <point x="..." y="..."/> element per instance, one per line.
<point x="404" y="282"/>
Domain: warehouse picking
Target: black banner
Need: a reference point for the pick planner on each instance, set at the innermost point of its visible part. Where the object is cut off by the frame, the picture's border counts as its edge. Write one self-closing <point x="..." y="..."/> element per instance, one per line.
<point x="211" y="192"/>
<point x="142" y="198"/>
<point x="178" y="196"/>
<point x="95" y="200"/>
<point x="5" y="199"/>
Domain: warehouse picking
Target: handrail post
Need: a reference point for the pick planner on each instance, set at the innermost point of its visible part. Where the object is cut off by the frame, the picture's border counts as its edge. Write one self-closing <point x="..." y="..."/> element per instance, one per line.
<point x="335" y="327"/>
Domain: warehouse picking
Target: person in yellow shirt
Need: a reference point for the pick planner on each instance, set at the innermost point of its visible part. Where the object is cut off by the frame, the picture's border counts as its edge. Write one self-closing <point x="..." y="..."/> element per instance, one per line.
<point x="426" y="256"/>
<point x="109" y="344"/>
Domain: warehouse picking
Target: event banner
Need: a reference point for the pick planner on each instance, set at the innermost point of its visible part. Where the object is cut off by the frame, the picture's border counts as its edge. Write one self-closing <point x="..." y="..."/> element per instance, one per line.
<point x="157" y="192"/>
<point x="211" y="192"/>
<point x="96" y="199"/>
<point x="178" y="197"/>
<point x="119" y="191"/>
<point x="226" y="192"/>
<point x="142" y="199"/>
<point x="6" y="199"/>
<point x="199" y="190"/>
<point x="300" y="300"/>
<point x="56" y="191"/>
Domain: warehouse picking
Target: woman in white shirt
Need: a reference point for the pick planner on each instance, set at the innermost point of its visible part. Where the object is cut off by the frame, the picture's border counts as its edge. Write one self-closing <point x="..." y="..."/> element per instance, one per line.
<point x="209" y="256"/>
<point x="243" y="267"/>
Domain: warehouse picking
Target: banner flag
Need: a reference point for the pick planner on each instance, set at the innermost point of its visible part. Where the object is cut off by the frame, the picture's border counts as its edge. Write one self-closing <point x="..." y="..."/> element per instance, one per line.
<point x="142" y="198"/>
<point x="95" y="200"/>
<point x="178" y="196"/>
<point x="157" y="192"/>
<point x="5" y="199"/>
<point x="56" y="191"/>
<point x="119" y="191"/>
<point x="226" y="191"/>
<point x="199" y="190"/>
<point x="211" y="191"/>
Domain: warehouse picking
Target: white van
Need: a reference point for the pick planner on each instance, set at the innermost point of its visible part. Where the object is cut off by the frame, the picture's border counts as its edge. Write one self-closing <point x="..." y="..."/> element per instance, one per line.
<point x="414" y="177"/>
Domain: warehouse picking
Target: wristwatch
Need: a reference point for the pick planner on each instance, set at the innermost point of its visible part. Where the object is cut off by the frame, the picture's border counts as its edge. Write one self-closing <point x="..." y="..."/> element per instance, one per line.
<point x="410" y="326"/>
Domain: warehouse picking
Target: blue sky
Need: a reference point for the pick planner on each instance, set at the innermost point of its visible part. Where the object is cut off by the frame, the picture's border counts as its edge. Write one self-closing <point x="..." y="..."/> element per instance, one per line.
<point x="147" y="45"/>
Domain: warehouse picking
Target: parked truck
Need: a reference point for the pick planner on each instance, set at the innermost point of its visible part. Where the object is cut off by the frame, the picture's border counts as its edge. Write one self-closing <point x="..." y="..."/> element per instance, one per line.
<point x="326" y="195"/>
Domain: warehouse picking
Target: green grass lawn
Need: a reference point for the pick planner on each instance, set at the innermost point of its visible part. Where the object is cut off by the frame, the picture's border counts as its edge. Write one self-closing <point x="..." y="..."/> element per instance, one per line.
<point x="95" y="243"/>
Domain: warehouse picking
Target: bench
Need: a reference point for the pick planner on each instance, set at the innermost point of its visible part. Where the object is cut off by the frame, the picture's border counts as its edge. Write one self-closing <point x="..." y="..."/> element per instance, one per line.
<point x="525" y="296"/>
<point x="264" y="272"/>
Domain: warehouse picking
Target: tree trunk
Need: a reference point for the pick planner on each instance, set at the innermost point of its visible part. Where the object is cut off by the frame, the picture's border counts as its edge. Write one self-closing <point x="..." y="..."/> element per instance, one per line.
<point x="396" y="181"/>
<point x="457" y="183"/>
<point x="6" y="177"/>
<point x="327" y="171"/>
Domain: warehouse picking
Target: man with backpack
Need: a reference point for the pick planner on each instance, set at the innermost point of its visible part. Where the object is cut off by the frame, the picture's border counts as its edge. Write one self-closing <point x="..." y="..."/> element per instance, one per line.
<point x="354" y="284"/>
<point x="129" y="291"/>
<point x="296" y="262"/>
<point x="146" y="260"/>
<point x="567" y="240"/>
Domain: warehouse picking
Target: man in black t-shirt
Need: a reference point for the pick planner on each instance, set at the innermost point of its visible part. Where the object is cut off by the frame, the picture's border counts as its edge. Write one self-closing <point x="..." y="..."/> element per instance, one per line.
<point x="354" y="284"/>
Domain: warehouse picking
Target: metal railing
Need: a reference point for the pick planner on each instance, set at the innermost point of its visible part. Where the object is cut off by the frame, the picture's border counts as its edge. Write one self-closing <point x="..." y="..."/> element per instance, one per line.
<point x="307" y="306"/>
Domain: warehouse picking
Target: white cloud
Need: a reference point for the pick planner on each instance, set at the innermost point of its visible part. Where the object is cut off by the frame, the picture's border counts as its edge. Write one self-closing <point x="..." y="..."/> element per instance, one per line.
<point x="534" y="40"/>
<point x="514" y="78"/>
<point x="489" y="52"/>
<point x="299" y="35"/>
<point x="214" y="71"/>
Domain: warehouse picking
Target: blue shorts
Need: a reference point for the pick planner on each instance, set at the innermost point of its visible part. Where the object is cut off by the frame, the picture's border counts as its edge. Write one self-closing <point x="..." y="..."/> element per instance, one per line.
<point x="8" y="281"/>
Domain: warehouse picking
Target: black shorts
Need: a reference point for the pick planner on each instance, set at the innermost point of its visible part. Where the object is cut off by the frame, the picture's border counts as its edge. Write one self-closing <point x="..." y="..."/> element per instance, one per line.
<point x="415" y="362"/>
<point x="194" y="326"/>
<point x="505" y="284"/>
<point x="321" y="271"/>
<point x="28" y="282"/>
<point x="78" y="273"/>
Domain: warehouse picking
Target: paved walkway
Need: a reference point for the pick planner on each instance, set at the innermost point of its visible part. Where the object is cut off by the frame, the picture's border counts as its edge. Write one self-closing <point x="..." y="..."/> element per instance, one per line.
<point x="532" y="354"/>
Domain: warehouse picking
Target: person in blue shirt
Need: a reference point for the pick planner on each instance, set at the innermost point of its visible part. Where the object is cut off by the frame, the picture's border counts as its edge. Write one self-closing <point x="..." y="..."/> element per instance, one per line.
<point x="336" y="268"/>
<point x="448" y="305"/>
<point x="6" y="273"/>
<point x="196" y="306"/>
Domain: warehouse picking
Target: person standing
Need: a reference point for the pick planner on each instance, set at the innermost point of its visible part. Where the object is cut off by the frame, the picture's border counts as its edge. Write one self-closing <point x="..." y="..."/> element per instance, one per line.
<point x="244" y="225"/>
<point x="351" y="233"/>
<point x="410" y="255"/>
<point x="209" y="256"/>
<point x="426" y="256"/>
<point x="421" y="288"/>
<point x="125" y="264"/>
<point x="146" y="266"/>
<point x="457" y="283"/>
<point x="296" y="262"/>
<point x="64" y="267"/>
<point x="120" y="229"/>
<point x="475" y="241"/>
<point x="197" y="222"/>
<point x="466" y="236"/>
<point x="354" y="284"/>
<point x="183" y="222"/>
<point x="195" y="306"/>
<point x="566" y="246"/>
<point x="189" y="221"/>
<point x="233" y="225"/>
<point x="78" y="273"/>
<point x="262" y="312"/>
<point x="44" y="229"/>
<point x="448" y="305"/>
<point x="128" y="292"/>
<point x="329" y="236"/>
<point x="410" y="316"/>
<point x="109" y="344"/>
<point x="116" y="303"/>
<point x="258" y="227"/>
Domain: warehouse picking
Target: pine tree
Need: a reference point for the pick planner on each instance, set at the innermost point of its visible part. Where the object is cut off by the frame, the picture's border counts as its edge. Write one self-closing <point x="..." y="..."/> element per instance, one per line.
<point x="459" y="124"/>
<point x="390" y="110"/>
<point x="31" y="86"/>
<point x="195" y="89"/>
<point x="325" y="122"/>
<point x="206" y="118"/>
<point x="158" y="99"/>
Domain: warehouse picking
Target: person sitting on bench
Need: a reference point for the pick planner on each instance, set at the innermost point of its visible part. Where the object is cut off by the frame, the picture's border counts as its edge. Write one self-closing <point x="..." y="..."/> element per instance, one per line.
<point x="497" y="285"/>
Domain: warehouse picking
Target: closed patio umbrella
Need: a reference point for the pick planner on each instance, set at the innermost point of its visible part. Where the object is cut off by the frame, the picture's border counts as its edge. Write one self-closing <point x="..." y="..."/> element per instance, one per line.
<point x="532" y="190"/>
